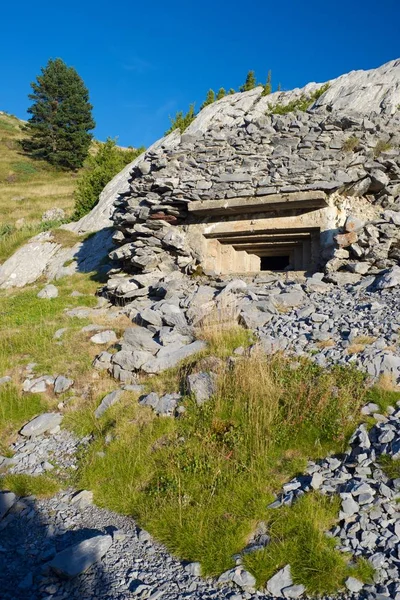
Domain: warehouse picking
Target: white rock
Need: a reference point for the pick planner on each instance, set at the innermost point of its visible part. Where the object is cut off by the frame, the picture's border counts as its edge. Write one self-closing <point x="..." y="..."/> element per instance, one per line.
<point x="49" y="291"/>
<point x="41" y="424"/>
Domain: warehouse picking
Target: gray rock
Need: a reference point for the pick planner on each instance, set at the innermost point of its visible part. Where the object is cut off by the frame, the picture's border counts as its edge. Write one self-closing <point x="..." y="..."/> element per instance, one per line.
<point x="156" y="365"/>
<point x="389" y="279"/>
<point x="294" y="591"/>
<point x="49" y="291"/>
<point x="4" y="380"/>
<point x="107" y="401"/>
<point x="41" y="424"/>
<point x="104" y="337"/>
<point x="7" y="501"/>
<point x="281" y="580"/>
<point x="77" y="559"/>
<point x="141" y="339"/>
<point x="202" y="386"/>
<point x="62" y="384"/>
<point x="353" y="584"/>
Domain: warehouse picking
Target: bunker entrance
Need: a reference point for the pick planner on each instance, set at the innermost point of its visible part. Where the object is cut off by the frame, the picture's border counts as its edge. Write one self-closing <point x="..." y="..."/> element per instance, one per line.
<point x="274" y="263"/>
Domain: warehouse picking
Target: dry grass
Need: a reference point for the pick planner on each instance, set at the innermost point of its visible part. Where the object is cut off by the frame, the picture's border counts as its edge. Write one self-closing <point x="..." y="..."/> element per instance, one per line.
<point x="325" y="344"/>
<point x="359" y="344"/>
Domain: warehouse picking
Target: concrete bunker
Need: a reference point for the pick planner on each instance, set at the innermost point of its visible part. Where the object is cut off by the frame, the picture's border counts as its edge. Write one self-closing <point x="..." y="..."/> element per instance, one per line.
<point x="268" y="233"/>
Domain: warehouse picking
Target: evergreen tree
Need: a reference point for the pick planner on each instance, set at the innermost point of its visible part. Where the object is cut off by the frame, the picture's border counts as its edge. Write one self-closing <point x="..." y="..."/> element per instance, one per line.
<point x="279" y="87"/>
<point x="250" y="82"/>
<point x="231" y="91"/>
<point x="268" y="85"/>
<point x="210" y="98"/>
<point x="181" y="121"/>
<point x="221" y="93"/>
<point x="61" y="117"/>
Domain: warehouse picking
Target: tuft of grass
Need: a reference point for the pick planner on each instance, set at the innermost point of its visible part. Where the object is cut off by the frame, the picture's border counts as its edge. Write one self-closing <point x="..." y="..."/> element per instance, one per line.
<point x="64" y="237"/>
<point x="15" y="410"/>
<point x="200" y="483"/>
<point x="351" y="144"/>
<point x="41" y="486"/>
<point x="383" y="396"/>
<point x="390" y="466"/>
<point x="223" y="339"/>
<point x="381" y="146"/>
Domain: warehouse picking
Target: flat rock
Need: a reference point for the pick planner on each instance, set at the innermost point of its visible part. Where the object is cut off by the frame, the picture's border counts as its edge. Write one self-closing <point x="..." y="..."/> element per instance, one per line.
<point x="49" y="291"/>
<point x="79" y="558"/>
<point x="41" y="424"/>
<point x="107" y="401"/>
<point x="7" y="501"/>
<point x="62" y="384"/>
<point x="104" y="337"/>
<point x="156" y="365"/>
<point x="281" y="580"/>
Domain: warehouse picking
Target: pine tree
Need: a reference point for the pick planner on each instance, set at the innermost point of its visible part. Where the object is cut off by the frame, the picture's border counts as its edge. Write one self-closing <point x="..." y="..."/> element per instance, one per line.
<point x="61" y="117"/>
<point x="210" y="98"/>
<point x="250" y="82"/>
<point x="181" y="121"/>
<point x="268" y="85"/>
<point x="221" y="93"/>
<point x="231" y="91"/>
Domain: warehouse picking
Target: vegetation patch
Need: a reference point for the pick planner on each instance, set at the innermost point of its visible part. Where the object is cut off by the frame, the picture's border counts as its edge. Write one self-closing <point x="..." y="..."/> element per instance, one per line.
<point x="200" y="483"/>
<point x="391" y="466"/>
<point x="351" y="144"/>
<point x="15" y="410"/>
<point x="41" y="486"/>
<point x="383" y="396"/>
<point x="297" y="535"/>
<point x="302" y="103"/>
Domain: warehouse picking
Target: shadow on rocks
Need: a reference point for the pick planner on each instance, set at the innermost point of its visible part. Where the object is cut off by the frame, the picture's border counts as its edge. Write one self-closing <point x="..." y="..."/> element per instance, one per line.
<point x="31" y="538"/>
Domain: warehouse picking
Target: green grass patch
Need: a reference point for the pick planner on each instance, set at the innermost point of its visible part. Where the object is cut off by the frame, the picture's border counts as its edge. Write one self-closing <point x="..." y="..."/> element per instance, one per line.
<point x="298" y="538"/>
<point x="201" y="483"/>
<point x="41" y="486"/>
<point x="383" y="397"/>
<point x="390" y="466"/>
<point x="302" y="103"/>
<point x="29" y="324"/>
<point x="15" y="410"/>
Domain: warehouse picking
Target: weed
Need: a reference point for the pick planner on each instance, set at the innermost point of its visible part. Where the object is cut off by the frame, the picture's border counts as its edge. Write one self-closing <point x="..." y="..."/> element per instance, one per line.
<point x="351" y="144"/>
<point x="381" y="146"/>
<point x="15" y="410"/>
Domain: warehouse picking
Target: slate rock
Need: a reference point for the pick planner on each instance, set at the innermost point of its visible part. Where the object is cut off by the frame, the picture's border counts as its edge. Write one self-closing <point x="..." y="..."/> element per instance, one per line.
<point x="41" y="424"/>
<point x="77" y="559"/>
<point x="49" y="291"/>
<point x="7" y="501"/>
<point x="281" y="580"/>
<point x="62" y="384"/>
<point x="353" y="584"/>
<point x="107" y="401"/>
<point x="104" y="337"/>
<point x="141" y="339"/>
<point x="202" y="386"/>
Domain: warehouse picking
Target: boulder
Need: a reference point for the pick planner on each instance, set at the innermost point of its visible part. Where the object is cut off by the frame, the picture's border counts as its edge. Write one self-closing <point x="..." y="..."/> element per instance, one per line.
<point x="62" y="384"/>
<point x="107" y="401"/>
<point x="42" y="424"/>
<point x="49" y="291"/>
<point x="281" y="580"/>
<point x="104" y="337"/>
<point x="7" y="501"/>
<point x="77" y="559"/>
<point x="202" y="386"/>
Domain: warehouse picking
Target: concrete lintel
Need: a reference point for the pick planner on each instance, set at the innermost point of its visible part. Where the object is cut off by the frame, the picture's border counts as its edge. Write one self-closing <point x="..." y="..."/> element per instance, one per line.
<point x="266" y="239"/>
<point x="313" y="199"/>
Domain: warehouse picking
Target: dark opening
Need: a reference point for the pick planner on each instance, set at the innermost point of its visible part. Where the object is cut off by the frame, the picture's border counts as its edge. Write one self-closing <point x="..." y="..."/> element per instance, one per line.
<point x="274" y="263"/>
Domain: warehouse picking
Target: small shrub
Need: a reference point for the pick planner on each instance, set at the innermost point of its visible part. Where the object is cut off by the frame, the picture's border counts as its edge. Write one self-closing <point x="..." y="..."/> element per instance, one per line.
<point x="101" y="167"/>
<point x="381" y="146"/>
<point x="24" y="168"/>
<point x="182" y="121"/>
<point x="301" y="104"/>
<point x="351" y="144"/>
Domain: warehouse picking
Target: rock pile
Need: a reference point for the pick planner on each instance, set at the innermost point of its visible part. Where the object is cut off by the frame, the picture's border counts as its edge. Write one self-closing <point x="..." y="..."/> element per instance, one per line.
<point x="352" y="156"/>
<point x="369" y="523"/>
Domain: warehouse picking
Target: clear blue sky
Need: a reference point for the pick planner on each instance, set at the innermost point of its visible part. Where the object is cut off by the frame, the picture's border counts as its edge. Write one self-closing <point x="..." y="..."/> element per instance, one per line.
<point x="143" y="61"/>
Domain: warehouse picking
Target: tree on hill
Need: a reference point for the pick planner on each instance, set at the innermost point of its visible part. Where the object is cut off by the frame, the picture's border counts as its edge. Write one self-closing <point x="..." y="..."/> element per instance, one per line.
<point x="268" y="85"/>
<point x="61" y="117"/>
<point x="221" y="93"/>
<point x="181" y="121"/>
<point x="250" y="82"/>
<point x="210" y="98"/>
<point x="100" y="167"/>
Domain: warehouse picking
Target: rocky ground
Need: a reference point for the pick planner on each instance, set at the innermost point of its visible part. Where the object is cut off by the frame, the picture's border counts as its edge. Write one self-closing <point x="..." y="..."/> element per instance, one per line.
<point x="299" y="317"/>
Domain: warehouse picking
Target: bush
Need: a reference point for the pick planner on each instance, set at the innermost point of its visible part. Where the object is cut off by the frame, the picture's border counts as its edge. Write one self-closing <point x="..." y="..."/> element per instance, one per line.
<point x="101" y="167"/>
<point x="302" y="103"/>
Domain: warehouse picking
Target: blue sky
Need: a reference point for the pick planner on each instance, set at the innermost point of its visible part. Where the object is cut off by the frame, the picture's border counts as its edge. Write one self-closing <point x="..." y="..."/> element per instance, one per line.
<point x="143" y="61"/>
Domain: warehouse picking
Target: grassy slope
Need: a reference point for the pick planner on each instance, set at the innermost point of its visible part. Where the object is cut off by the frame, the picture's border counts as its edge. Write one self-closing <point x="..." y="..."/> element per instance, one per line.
<point x="28" y="187"/>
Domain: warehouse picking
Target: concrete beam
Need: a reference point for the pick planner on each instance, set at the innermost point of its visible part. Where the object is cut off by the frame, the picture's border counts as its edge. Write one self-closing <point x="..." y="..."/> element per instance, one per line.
<point x="273" y="202"/>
